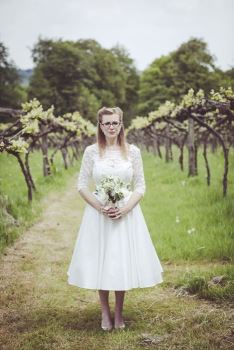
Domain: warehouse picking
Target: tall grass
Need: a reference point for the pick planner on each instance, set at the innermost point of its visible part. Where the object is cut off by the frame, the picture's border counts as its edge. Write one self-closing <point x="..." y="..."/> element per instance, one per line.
<point x="187" y="219"/>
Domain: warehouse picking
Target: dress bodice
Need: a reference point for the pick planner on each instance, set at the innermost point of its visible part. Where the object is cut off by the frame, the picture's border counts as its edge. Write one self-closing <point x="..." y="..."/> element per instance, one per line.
<point x="95" y="167"/>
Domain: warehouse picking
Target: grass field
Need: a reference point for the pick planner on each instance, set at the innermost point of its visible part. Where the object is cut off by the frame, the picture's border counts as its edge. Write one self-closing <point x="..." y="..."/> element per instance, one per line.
<point x="187" y="311"/>
<point x="188" y="219"/>
<point x="192" y="222"/>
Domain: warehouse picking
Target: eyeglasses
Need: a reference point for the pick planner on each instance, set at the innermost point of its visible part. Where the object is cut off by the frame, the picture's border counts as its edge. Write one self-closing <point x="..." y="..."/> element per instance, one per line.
<point x="115" y="124"/>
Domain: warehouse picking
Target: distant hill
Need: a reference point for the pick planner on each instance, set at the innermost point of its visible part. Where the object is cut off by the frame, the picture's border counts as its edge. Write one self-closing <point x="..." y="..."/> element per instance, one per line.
<point x="25" y="75"/>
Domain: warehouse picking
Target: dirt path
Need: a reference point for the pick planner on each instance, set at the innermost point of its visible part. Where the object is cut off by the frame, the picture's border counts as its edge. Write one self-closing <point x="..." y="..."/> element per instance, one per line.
<point x="39" y="310"/>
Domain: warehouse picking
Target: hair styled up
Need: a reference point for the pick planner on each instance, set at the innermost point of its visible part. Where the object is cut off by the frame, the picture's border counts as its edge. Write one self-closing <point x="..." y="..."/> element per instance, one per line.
<point x="101" y="139"/>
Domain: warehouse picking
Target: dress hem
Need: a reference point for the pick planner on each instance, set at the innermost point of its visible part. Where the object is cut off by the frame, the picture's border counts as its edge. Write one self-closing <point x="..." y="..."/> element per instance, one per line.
<point x="116" y="289"/>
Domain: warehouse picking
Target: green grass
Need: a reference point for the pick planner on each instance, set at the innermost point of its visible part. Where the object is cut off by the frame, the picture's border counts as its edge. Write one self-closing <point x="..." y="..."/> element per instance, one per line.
<point x="201" y="283"/>
<point x="40" y="311"/>
<point x="197" y="278"/>
<point x="171" y="194"/>
<point x="16" y="213"/>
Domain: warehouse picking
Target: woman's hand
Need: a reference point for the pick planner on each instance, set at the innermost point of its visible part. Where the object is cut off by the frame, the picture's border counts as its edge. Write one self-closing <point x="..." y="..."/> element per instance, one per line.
<point x="106" y="210"/>
<point x="117" y="213"/>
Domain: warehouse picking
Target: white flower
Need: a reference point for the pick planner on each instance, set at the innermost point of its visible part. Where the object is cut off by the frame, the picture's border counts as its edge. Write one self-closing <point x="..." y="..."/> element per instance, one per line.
<point x="177" y="219"/>
<point x="102" y="195"/>
<point x="190" y="231"/>
<point x="111" y="188"/>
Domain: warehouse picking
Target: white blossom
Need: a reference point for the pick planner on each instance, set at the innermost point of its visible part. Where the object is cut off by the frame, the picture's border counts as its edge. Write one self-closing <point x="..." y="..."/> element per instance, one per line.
<point x="112" y="189"/>
<point x="191" y="230"/>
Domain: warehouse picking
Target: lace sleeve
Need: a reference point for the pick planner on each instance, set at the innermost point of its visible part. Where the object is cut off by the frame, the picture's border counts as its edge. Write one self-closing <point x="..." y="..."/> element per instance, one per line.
<point x="138" y="171"/>
<point x="85" y="169"/>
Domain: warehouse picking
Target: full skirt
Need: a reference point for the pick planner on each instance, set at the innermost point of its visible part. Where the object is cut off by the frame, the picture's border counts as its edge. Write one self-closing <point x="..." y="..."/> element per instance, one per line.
<point x="114" y="254"/>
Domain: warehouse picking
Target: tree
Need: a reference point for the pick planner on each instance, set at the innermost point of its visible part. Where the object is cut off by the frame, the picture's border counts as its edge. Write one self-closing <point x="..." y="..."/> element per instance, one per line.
<point x="11" y="94"/>
<point x="56" y="77"/>
<point x="226" y="77"/>
<point x="171" y="76"/>
<point x="82" y="76"/>
<point x="129" y="106"/>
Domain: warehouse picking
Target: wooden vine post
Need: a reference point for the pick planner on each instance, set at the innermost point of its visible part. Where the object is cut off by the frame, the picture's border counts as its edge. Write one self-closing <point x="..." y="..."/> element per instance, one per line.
<point x="192" y="163"/>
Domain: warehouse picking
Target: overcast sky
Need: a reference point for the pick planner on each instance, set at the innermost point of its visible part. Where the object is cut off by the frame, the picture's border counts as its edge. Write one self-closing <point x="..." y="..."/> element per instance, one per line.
<point x="146" y="28"/>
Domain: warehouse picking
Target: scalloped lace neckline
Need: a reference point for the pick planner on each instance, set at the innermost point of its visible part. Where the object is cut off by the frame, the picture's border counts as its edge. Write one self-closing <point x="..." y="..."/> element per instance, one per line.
<point x="112" y="149"/>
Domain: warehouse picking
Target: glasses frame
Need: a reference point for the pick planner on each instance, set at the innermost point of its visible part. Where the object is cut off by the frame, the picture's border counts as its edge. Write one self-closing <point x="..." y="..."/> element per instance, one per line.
<point x="111" y="123"/>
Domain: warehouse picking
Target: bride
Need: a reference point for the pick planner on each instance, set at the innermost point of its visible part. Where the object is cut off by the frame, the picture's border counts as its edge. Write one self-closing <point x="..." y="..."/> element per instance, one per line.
<point x="113" y="250"/>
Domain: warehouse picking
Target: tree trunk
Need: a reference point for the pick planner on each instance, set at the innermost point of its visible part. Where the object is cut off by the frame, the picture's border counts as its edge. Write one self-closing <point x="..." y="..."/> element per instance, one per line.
<point x="29" y="172"/>
<point x="167" y="146"/>
<point x="206" y="162"/>
<point x="226" y="152"/>
<point x="154" y="147"/>
<point x="181" y="157"/>
<point x="26" y="177"/>
<point x="191" y="149"/>
<point x="158" y="149"/>
<point x="44" y="148"/>
<point x="64" y="155"/>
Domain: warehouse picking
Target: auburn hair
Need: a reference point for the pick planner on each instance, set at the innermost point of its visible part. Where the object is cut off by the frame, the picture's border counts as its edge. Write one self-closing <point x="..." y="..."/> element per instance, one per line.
<point x="100" y="137"/>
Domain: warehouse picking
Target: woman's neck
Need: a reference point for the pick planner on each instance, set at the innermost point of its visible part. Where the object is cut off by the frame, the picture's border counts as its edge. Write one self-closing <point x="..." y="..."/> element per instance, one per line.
<point x="112" y="144"/>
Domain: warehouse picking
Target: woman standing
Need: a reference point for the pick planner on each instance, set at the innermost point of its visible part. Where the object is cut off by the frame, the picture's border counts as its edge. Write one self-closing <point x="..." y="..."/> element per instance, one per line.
<point x="113" y="250"/>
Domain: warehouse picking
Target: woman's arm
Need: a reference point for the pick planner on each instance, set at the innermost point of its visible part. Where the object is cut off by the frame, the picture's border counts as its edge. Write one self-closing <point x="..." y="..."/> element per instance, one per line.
<point x="133" y="200"/>
<point x="90" y="198"/>
<point x="84" y="178"/>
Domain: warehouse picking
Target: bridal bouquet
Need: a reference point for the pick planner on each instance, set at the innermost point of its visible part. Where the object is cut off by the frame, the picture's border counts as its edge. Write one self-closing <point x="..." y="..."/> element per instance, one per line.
<point x="112" y="189"/>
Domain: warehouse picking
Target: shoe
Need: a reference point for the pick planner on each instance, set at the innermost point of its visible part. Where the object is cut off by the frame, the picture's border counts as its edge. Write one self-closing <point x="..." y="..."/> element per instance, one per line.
<point x="107" y="328"/>
<point x="121" y="327"/>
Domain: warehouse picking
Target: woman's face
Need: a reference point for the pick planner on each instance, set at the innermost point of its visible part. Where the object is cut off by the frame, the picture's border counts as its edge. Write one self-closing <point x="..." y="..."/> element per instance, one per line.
<point x="110" y="130"/>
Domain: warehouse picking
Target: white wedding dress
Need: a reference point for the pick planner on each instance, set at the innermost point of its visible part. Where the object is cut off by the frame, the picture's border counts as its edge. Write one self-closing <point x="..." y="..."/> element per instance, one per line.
<point x="113" y="254"/>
